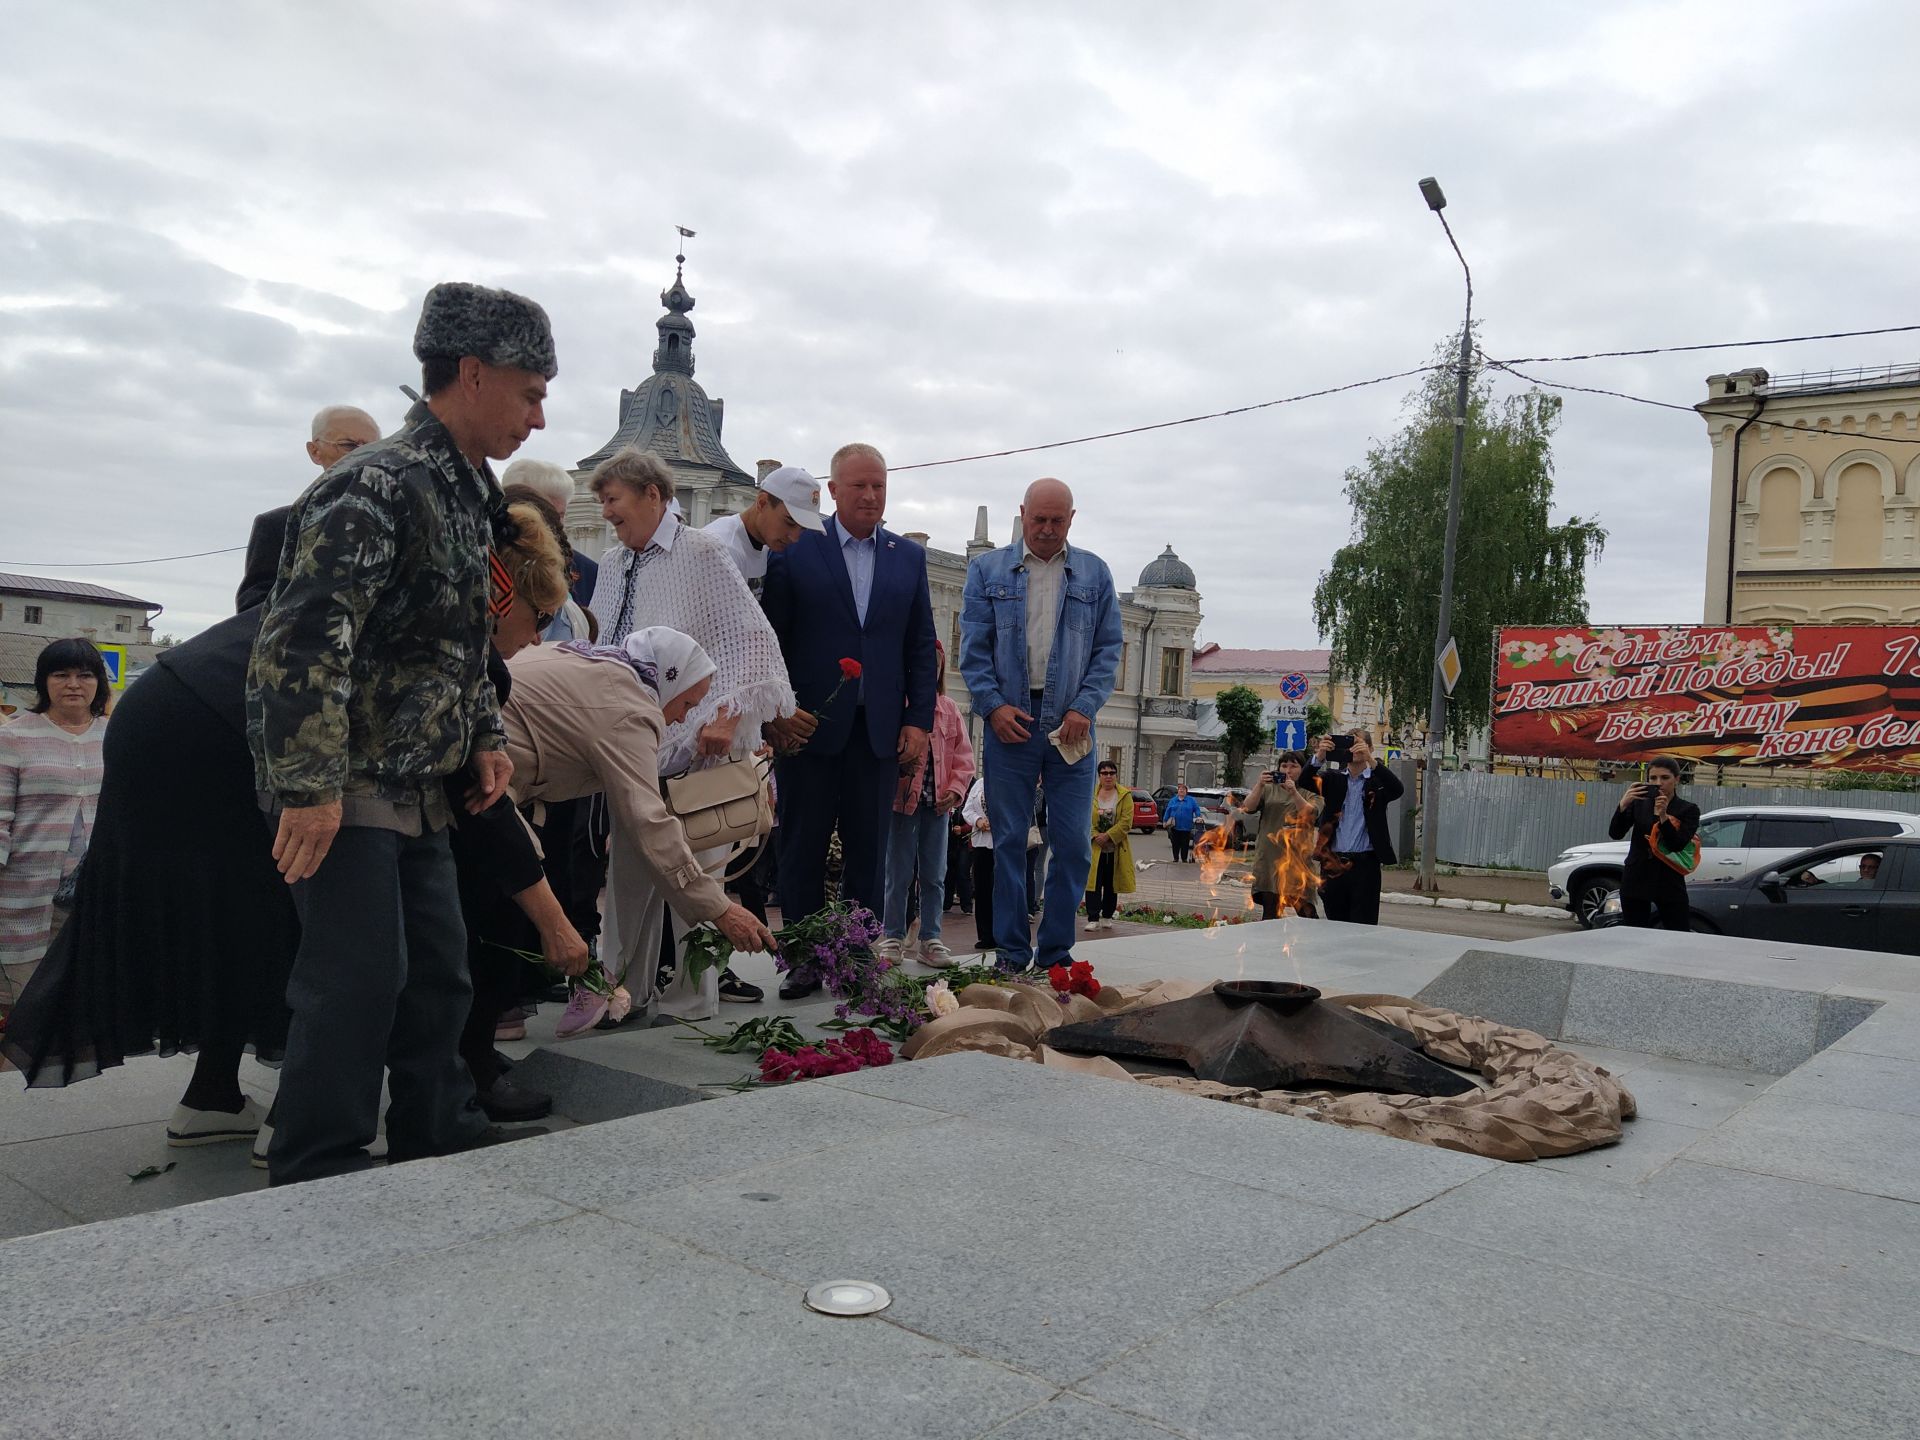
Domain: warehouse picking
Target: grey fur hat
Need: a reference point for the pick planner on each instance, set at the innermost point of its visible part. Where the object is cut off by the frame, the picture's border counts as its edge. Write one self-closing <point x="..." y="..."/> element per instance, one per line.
<point x="496" y="326"/>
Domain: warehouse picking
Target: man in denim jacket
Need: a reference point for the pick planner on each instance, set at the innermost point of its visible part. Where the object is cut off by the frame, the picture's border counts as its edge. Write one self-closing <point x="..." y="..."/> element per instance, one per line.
<point x="1035" y="669"/>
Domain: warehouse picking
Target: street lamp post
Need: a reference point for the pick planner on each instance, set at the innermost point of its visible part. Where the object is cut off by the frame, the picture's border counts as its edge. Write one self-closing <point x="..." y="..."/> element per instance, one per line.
<point x="1437" y="709"/>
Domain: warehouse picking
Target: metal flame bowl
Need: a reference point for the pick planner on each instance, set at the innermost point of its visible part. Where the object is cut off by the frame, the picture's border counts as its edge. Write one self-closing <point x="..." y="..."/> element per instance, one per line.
<point x="1282" y="995"/>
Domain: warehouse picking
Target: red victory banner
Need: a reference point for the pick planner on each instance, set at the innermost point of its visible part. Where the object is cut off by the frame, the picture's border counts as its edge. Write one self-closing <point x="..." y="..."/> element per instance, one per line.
<point x="1844" y="697"/>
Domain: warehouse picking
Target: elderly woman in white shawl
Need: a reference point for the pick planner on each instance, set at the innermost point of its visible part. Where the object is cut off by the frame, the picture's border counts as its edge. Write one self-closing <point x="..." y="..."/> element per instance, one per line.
<point x="663" y="573"/>
<point x="584" y="719"/>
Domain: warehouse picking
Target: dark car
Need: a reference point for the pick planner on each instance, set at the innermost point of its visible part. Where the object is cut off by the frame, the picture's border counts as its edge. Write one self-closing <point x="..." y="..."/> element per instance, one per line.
<point x="1855" y="894"/>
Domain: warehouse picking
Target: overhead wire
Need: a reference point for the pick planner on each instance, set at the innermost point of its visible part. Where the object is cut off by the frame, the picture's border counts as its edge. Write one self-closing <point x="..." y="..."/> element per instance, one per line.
<point x="1714" y="345"/>
<point x="104" y="564"/>
<point x="1507" y="367"/>
<point x="1169" y="424"/>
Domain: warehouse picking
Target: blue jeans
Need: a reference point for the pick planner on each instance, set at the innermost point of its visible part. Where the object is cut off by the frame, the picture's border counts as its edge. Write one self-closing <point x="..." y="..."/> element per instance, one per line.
<point x="1013" y="771"/>
<point x="919" y="839"/>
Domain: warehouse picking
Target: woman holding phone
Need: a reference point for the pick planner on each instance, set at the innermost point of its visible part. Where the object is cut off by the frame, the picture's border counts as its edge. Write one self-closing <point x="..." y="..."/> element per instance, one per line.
<point x="1653" y="813"/>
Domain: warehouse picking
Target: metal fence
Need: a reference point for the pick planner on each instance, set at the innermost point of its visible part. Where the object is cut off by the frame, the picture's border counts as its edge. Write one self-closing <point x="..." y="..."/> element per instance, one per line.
<point x="1523" y="822"/>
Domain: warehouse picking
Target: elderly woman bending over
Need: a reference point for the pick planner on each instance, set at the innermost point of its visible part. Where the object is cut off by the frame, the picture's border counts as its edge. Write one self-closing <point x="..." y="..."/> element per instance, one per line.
<point x="583" y="719"/>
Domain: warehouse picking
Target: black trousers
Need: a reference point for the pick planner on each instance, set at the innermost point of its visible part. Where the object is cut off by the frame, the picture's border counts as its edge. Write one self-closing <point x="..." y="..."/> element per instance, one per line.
<point x="1354" y="896"/>
<point x="1269" y="904"/>
<point x="959" y="871"/>
<point x="982" y="867"/>
<point x="852" y="790"/>
<point x="755" y="884"/>
<point x="379" y="983"/>
<point x="1182" y="841"/>
<point x="1101" y="899"/>
<point x="1645" y="890"/>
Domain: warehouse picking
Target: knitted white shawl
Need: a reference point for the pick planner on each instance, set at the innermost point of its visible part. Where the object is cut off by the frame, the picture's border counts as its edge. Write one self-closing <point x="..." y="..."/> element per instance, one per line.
<point x="695" y="587"/>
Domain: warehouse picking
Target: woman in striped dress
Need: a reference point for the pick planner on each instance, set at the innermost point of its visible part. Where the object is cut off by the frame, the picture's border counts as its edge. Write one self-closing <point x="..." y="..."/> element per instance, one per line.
<point x="49" y="780"/>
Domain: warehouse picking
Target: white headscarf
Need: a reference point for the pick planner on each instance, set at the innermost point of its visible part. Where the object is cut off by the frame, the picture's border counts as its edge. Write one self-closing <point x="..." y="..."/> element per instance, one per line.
<point x="677" y="661"/>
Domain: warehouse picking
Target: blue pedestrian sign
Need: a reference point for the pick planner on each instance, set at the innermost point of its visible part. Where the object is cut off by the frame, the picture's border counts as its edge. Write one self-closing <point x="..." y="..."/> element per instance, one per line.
<point x="1294" y="686"/>
<point x="1290" y="735"/>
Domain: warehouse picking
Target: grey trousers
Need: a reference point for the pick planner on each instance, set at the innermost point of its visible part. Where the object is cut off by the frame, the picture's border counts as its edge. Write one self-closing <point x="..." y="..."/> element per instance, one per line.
<point x="379" y="984"/>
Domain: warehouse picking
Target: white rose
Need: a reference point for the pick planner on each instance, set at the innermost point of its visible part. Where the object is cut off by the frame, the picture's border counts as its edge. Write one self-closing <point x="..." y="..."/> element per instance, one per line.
<point x="941" y="1000"/>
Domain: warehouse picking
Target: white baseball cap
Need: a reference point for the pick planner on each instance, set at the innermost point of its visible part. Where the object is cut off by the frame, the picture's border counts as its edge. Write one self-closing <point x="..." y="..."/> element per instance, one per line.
<point x="799" y="492"/>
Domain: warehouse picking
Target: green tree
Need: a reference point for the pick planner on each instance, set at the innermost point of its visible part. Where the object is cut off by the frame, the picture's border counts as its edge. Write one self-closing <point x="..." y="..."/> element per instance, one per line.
<point x="1241" y="714"/>
<point x="1319" y="721"/>
<point x="1379" y="601"/>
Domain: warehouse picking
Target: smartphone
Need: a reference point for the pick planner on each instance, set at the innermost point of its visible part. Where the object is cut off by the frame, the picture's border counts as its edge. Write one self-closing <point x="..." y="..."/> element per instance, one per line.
<point x="1342" y="750"/>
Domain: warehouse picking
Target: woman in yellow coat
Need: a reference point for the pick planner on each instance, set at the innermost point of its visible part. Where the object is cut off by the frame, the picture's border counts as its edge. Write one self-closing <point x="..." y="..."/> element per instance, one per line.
<point x="1111" y="874"/>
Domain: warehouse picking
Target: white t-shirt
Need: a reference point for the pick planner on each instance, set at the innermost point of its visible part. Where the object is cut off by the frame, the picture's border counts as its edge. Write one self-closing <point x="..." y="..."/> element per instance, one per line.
<point x="731" y="531"/>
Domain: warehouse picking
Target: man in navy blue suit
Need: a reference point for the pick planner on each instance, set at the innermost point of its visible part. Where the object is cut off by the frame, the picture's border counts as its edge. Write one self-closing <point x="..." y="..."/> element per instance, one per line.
<point x="855" y="592"/>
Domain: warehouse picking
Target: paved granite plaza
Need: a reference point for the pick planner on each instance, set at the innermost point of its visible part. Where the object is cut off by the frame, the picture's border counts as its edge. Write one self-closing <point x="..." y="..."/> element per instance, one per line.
<point x="1068" y="1255"/>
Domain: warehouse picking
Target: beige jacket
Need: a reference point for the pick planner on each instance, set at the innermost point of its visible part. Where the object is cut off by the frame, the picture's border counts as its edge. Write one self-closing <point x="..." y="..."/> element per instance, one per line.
<point x="576" y="726"/>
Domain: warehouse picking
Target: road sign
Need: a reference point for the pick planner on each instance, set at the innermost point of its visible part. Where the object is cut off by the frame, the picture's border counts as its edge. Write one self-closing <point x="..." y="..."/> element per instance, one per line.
<point x="116" y="658"/>
<point x="1290" y="734"/>
<point x="1293" y="686"/>
<point x="1450" y="665"/>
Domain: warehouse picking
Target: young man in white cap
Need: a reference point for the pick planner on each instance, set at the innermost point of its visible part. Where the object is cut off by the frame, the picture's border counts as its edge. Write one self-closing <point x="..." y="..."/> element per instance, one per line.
<point x="788" y="503"/>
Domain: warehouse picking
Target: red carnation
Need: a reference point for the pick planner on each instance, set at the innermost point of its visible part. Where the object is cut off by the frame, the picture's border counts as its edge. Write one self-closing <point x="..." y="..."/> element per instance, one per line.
<point x="1059" y="978"/>
<point x="849" y="670"/>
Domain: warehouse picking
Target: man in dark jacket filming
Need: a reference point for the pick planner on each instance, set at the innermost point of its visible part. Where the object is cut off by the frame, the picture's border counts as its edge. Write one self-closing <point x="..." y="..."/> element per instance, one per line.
<point x="1354" y="822"/>
<point x="1648" y="811"/>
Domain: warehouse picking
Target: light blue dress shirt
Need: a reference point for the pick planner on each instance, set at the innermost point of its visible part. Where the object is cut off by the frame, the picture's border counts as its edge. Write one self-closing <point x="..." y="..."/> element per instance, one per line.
<point x="1350" y="838"/>
<point x="859" y="557"/>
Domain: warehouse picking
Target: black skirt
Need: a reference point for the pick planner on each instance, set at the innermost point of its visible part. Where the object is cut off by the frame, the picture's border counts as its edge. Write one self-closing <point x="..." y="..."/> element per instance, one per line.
<point x="182" y="932"/>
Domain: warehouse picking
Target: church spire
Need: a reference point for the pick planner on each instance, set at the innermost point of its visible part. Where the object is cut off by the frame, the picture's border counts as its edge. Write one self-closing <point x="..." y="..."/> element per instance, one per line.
<point x="674" y="354"/>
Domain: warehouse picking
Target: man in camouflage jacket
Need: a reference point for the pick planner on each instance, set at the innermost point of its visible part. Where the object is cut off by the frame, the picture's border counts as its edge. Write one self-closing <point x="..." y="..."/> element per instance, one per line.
<point x="367" y="691"/>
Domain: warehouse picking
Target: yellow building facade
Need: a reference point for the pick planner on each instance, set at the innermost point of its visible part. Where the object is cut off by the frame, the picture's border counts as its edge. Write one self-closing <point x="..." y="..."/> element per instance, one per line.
<point x="1815" y="509"/>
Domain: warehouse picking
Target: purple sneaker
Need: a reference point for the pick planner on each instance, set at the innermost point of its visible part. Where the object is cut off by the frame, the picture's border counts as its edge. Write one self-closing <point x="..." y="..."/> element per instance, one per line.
<point x="584" y="1011"/>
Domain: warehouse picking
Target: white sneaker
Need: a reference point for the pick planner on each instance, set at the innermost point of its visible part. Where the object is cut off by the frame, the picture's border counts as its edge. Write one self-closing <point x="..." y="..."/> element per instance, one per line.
<point x="935" y="955"/>
<point x="210" y="1127"/>
<point x="890" y="949"/>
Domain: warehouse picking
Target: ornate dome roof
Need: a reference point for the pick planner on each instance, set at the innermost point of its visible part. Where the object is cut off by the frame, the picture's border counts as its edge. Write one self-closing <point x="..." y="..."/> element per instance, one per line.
<point x="670" y="412"/>
<point x="1167" y="571"/>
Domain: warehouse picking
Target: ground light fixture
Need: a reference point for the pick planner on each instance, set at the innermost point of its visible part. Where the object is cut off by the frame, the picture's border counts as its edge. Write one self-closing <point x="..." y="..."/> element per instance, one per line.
<point x="848" y="1297"/>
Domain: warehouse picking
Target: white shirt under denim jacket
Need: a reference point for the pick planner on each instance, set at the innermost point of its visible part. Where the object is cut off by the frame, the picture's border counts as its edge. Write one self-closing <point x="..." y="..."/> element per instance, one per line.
<point x="994" y="637"/>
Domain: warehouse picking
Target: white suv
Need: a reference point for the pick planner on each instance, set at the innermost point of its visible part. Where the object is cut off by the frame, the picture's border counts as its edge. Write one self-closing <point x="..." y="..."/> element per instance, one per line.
<point x="1733" y="840"/>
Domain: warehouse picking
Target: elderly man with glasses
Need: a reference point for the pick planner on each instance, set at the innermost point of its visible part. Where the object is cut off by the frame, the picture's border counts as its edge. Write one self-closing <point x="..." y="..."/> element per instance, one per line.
<point x="338" y="431"/>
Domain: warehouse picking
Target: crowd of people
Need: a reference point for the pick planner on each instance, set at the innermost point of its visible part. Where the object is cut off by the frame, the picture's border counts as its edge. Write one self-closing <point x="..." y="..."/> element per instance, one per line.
<point x="436" y="755"/>
<point x="434" y="745"/>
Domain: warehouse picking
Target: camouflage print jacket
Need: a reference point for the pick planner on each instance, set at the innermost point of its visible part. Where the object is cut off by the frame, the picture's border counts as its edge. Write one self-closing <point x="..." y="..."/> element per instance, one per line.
<point x="369" y="677"/>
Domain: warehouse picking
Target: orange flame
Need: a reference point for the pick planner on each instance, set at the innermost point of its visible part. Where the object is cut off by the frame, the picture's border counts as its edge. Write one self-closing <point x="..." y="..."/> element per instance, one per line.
<point x="1295" y="882"/>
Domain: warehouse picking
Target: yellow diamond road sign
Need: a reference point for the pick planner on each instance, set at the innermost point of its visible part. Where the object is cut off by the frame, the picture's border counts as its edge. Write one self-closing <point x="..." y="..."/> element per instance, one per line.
<point x="1450" y="666"/>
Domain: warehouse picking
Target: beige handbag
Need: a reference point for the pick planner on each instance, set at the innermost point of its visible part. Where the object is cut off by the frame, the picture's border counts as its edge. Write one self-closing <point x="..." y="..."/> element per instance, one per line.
<point x="725" y="804"/>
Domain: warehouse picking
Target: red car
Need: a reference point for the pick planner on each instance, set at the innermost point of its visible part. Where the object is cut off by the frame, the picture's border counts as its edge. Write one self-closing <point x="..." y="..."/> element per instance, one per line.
<point x="1146" y="814"/>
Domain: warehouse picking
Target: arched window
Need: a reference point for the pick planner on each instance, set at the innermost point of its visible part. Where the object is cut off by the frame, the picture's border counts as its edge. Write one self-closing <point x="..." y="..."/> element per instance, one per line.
<point x="1859" y="518"/>
<point x="1780" y="510"/>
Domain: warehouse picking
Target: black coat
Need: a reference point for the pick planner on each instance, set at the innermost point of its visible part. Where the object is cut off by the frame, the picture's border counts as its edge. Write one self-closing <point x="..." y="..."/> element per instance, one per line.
<point x="1633" y="825"/>
<point x="264" y="544"/>
<point x="1381" y="788"/>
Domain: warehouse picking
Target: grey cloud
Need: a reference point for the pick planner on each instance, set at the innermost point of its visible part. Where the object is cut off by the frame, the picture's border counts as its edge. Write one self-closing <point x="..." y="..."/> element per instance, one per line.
<point x="947" y="231"/>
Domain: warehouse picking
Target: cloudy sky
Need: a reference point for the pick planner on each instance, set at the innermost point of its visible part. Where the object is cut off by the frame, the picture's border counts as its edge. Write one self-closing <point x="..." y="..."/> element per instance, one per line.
<point x="944" y="230"/>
